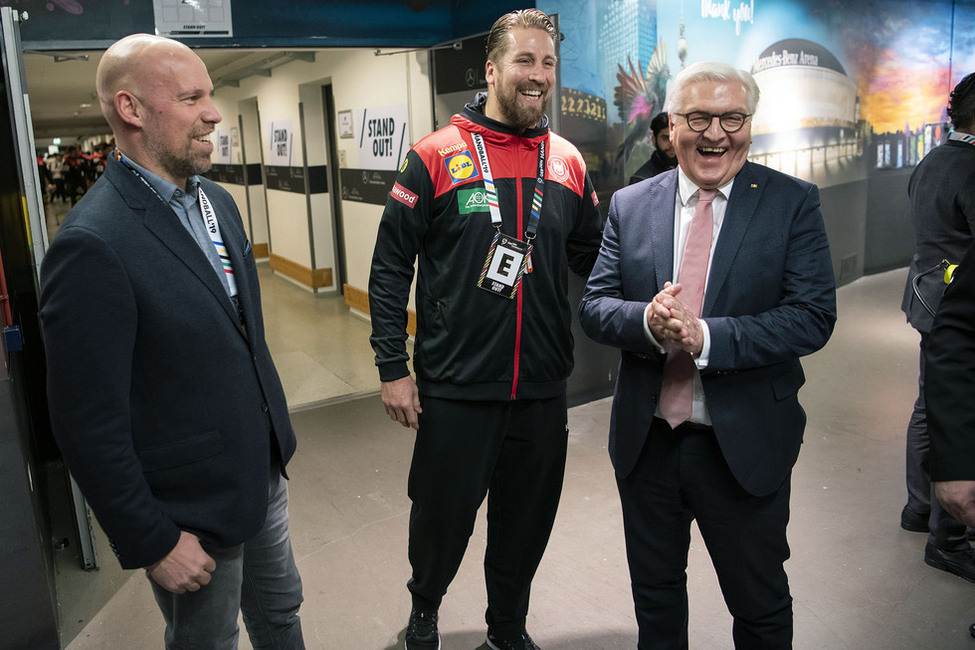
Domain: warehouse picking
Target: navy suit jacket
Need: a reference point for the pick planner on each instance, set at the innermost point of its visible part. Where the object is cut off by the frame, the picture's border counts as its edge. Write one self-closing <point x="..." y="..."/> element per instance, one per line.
<point x="165" y="408"/>
<point x="770" y="299"/>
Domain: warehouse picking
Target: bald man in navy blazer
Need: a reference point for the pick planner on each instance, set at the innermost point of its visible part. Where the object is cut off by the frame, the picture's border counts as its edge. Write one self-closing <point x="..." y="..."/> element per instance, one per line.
<point x="164" y="399"/>
<point x="769" y="299"/>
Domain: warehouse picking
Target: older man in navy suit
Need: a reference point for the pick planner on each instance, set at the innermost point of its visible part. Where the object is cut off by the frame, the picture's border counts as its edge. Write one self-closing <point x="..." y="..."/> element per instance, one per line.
<point x="163" y="396"/>
<point x="706" y="421"/>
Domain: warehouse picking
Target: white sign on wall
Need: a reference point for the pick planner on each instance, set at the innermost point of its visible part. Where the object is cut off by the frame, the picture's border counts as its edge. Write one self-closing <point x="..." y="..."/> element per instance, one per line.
<point x="222" y="147"/>
<point x="179" y="18"/>
<point x="282" y="137"/>
<point x="384" y="137"/>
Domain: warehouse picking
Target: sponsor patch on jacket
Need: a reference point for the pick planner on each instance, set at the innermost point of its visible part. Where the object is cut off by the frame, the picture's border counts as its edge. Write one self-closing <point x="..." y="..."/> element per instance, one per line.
<point x="474" y="200"/>
<point x="403" y="195"/>
<point x="460" y="166"/>
<point x="452" y="148"/>
<point x="595" y="199"/>
<point x="406" y="161"/>
<point x="558" y="169"/>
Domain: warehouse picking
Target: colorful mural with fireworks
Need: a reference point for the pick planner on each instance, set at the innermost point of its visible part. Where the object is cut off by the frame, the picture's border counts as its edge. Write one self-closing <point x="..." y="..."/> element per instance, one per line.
<point x="887" y="69"/>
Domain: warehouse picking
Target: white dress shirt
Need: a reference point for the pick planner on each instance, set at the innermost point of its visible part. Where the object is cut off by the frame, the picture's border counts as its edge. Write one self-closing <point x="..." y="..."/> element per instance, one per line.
<point x="687" y="193"/>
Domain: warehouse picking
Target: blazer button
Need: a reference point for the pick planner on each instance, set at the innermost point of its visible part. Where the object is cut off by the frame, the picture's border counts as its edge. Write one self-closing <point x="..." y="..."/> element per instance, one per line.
<point x="264" y="407"/>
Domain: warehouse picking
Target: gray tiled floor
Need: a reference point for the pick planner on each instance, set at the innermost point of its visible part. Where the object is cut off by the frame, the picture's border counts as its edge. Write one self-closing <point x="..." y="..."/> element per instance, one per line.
<point x="858" y="579"/>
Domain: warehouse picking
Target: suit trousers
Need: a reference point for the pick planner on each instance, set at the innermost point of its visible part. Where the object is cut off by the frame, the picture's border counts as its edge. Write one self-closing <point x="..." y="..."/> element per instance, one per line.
<point x="680" y="476"/>
<point x="513" y="452"/>
<point x="258" y="579"/>
<point x="946" y="532"/>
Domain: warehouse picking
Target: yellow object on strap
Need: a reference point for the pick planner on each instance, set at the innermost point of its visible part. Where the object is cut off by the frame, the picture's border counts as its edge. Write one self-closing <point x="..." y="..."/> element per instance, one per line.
<point x="949" y="272"/>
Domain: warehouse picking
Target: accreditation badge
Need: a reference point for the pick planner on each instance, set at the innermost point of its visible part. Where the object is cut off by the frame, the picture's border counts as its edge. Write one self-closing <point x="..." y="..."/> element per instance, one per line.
<point x="504" y="266"/>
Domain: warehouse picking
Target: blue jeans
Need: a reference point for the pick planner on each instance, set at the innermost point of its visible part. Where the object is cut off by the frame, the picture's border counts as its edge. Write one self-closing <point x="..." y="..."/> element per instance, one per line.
<point x="258" y="578"/>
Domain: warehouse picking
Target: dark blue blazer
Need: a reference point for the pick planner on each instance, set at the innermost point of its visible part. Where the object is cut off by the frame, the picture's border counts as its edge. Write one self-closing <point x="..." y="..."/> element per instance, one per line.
<point x="165" y="408"/>
<point x="770" y="299"/>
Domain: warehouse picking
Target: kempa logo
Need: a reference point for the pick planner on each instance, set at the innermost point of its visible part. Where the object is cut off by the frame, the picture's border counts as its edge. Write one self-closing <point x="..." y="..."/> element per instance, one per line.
<point x="475" y="200"/>
<point x="454" y="148"/>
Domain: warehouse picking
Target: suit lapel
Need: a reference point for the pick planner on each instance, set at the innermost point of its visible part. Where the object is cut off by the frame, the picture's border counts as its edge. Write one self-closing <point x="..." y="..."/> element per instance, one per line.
<point x="660" y="217"/>
<point x="742" y="203"/>
<point x="160" y="220"/>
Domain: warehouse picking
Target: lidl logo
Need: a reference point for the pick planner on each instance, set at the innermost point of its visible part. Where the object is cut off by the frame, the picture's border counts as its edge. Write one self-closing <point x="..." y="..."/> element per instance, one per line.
<point x="460" y="167"/>
<point x="475" y="200"/>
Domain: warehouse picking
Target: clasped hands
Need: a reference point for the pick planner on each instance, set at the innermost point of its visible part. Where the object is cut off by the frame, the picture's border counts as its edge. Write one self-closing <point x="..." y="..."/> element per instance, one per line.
<point x="672" y="322"/>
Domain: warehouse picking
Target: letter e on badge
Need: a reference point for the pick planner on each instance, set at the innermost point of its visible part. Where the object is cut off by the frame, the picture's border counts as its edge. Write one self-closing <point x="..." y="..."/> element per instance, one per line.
<point x="505" y="265"/>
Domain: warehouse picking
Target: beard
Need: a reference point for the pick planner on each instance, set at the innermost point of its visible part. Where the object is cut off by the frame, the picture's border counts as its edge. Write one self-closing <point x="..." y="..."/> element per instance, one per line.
<point x="176" y="163"/>
<point x="518" y="115"/>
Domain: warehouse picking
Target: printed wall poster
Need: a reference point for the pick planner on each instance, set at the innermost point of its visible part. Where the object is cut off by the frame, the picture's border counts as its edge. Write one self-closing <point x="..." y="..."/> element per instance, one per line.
<point x="222" y="148"/>
<point x="384" y="136"/>
<point x="280" y="145"/>
<point x="853" y="95"/>
<point x="180" y="18"/>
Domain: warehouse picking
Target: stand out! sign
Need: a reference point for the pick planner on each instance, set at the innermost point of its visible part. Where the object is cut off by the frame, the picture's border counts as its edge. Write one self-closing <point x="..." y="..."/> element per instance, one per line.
<point x="384" y="137"/>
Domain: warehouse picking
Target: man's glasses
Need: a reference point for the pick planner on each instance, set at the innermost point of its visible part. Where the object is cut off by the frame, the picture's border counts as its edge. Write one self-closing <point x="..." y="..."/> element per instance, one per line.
<point x="699" y="121"/>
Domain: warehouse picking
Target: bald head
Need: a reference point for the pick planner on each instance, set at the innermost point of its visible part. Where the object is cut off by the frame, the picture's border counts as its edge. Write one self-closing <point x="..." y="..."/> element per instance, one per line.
<point x="129" y="65"/>
<point x="156" y="95"/>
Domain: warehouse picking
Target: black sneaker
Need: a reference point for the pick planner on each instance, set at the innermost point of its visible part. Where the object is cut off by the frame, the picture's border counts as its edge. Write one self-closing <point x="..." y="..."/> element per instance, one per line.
<point x="517" y="642"/>
<point x="421" y="631"/>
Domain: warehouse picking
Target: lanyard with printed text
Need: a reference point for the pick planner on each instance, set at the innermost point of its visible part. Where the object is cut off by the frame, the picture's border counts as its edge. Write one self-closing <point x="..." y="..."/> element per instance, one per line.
<point x="508" y="258"/>
<point x="213" y="229"/>
<point x="492" y="194"/>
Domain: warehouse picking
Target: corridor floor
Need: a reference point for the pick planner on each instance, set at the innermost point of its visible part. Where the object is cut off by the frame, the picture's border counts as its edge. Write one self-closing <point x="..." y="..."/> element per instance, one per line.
<point x="858" y="580"/>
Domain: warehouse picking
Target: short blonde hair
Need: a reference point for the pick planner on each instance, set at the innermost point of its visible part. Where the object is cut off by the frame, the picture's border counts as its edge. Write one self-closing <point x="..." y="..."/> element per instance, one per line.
<point x="498" y="41"/>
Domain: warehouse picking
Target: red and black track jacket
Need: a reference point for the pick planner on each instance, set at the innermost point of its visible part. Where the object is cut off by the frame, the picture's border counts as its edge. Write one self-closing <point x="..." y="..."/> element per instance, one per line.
<point x="470" y="343"/>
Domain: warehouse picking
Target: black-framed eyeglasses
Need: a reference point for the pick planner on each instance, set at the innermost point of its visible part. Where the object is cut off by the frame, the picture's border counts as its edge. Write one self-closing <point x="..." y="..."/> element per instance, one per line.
<point x="699" y="121"/>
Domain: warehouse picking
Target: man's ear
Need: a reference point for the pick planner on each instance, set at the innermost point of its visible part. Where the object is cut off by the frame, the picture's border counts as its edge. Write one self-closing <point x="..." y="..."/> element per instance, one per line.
<point x="489" y="72"/>
<point x="128" y="108"/>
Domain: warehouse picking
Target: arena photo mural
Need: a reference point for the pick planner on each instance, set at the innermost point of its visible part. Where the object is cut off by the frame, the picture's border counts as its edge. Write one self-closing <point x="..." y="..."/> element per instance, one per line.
<point x="853" y="95"/>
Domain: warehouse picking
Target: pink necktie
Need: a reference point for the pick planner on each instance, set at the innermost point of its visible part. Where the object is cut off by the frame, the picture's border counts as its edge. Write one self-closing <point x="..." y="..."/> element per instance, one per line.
<point x="677" y="392"/>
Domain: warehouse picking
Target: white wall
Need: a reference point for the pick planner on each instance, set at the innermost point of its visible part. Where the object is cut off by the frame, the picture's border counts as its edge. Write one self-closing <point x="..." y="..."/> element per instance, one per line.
<point x="359" y="79"/>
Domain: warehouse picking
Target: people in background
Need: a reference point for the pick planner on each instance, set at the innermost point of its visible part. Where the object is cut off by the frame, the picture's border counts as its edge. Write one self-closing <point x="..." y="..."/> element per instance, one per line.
<point x="55" y="163"/>
<point x="942" y="193"/>
<point x="662" y="159"/>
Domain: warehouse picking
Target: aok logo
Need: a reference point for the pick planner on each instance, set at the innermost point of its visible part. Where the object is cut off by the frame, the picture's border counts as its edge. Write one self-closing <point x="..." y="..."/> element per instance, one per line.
<point x="469" y="201"/>
<point x="461" y="167"/>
